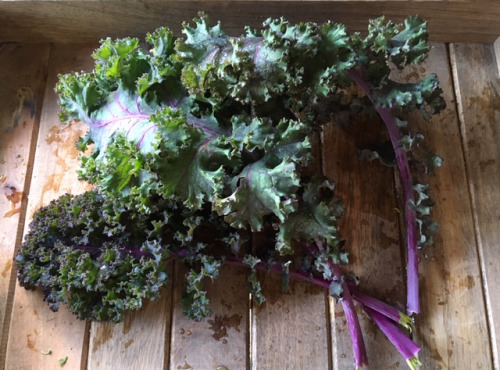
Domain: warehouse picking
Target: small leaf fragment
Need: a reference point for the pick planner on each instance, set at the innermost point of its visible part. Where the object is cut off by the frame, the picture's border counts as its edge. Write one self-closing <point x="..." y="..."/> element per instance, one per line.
<point x="63" y="361"/>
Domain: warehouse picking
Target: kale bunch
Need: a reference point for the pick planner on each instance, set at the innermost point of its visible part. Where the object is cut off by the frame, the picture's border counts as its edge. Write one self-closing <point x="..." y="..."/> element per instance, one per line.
<point x="203" y="140"/>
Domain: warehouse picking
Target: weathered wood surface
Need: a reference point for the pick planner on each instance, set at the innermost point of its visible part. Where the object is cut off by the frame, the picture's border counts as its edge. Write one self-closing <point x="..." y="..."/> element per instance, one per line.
<point x="476" y="78"/>
<point x="140" y="341"/>
<point x="371" y="230"/>
<point x="33" y="327"/>
<point x="83" y="21"/>
<point x="221" y="340"/>
<point x="304" y="309"/>
<point x="450" y="271"/>
<point x="22" y="74"/>
<point x="459" y="324"/>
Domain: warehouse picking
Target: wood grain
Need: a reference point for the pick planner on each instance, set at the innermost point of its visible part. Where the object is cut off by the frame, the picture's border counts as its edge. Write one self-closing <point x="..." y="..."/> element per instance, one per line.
<point x="34" y="328"/>
<point x="22" y="72"/>
<point x="81" y="21"/>
<point x="290" y="330"/>
<point x="289" y="322"/>
<point x="141" y="341"/>
<point x="452" y="322"/>
<point x="221" y="340"/>
<point x="478" y="88"/>
<point x="370" y="227"/>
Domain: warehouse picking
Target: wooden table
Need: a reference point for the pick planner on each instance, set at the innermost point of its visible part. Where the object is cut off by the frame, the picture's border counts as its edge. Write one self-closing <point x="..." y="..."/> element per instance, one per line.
<point x="459" y="326"/>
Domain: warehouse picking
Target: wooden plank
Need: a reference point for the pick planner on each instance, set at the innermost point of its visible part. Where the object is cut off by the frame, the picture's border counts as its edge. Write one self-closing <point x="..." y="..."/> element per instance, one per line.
<point x="370" y="227"/>
<point x="80" y="21"/>
<point x="291" y="330"/>
<point x="476" y="78"/>
<point x="221" y="340"/>
<point x="34" y="328"/>
<point x="22" y="72"/>
<point x="141" y="341"/>
<point x="452" y="324"/>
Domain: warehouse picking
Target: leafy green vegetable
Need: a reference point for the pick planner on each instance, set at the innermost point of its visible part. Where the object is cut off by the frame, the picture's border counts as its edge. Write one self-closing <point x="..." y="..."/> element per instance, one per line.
<point x="102" y="260"/>
<point x="203" y="140"/>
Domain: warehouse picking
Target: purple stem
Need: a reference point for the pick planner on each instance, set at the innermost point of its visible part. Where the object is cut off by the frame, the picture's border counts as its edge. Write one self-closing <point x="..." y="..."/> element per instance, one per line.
<point x="277" y="267"/>
<point x="359" y="349"/>
<point x="408" y="349"/>
<point x="381" y="307"/>
<point x="412" y="304"/>
<point x="358" y="344"/>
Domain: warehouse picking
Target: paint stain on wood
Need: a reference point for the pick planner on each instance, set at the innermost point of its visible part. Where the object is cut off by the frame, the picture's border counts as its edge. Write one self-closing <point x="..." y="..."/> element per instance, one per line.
<point x="53" y="136"/>
<point x="6" y="268"/>
<point x="487" y="106"/>
<point x="468" y="282"/>
<point x="220" y="325"/>
<point x="185" y="366"/>
<point x="65" y="151"/>
<point x="128" y="343"/>
<point x="31" y="342"/>
<point x="14" y="197"/>
<point x="53" y="183"/>
<point x="127" y="325"/>
<point x="104" y="333"/>
<point x="65" y="137"/>
<point x="227" y="305"/>
<point x="483" y="165"/>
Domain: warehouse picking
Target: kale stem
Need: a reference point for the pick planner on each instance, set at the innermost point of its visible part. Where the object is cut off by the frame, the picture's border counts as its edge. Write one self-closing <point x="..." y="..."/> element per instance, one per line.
<point x="413" y="305"/>
<point x="277" y="267"/>
<point x="358" y="343"/>
<point x="381" y="307"/>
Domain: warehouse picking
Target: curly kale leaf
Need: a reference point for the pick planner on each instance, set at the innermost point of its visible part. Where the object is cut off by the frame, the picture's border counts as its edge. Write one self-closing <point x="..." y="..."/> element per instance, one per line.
<point x="294" y="63"/>
<point x="268" y="185"/>
<point x="78" y="258"/>
<point x="194" y="300"/>
<point x="83" y="252"/>
<point x="315" y="219"/>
